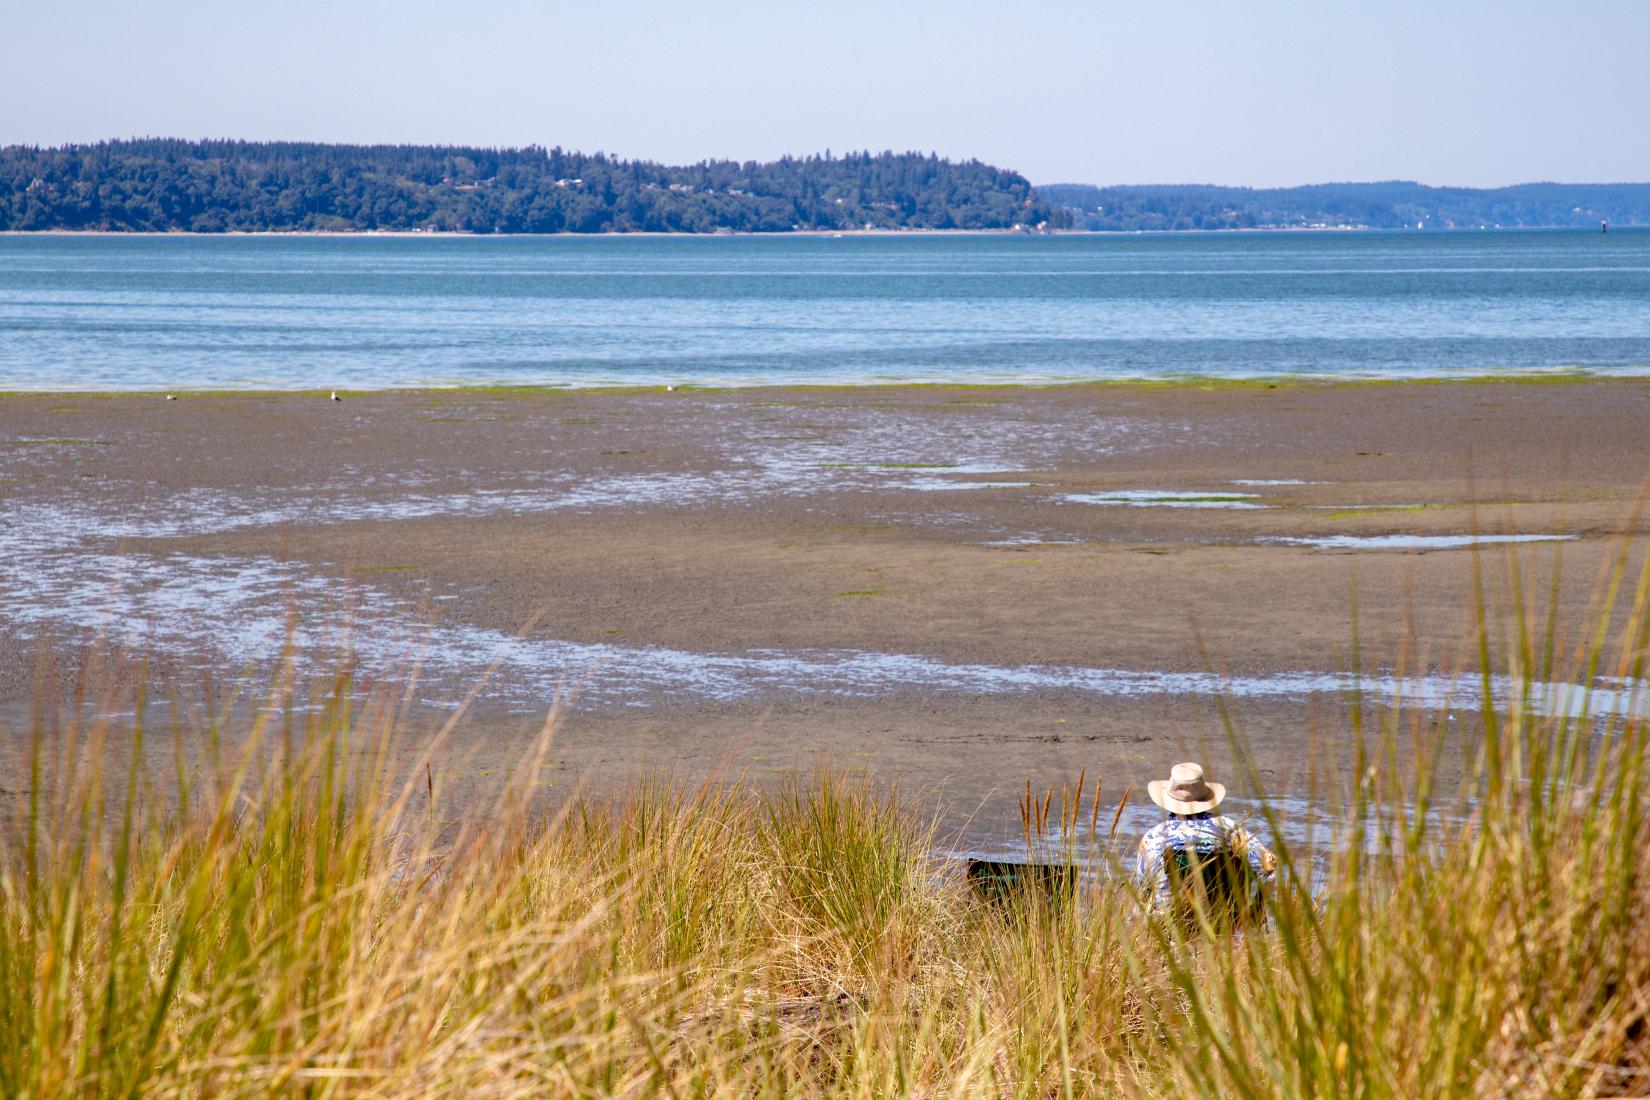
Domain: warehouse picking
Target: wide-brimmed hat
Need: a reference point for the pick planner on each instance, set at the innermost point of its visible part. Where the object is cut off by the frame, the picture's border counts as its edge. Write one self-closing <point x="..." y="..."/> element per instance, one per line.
<point x="1186" y="791"/>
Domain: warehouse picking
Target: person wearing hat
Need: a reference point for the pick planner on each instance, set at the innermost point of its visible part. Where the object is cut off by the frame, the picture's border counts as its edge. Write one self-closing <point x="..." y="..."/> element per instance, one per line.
<point x="1195" y="829"/>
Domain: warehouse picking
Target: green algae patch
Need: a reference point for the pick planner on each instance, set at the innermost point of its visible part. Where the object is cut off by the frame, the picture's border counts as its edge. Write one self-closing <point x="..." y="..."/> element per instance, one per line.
<point x="1315" y="381"/>
<point x="178" y="394"/>
<point x="776" y="391"/>
<point x="1163" y="382"/>
<point x="1387" y="509"/>
<point x="571" y="392"/>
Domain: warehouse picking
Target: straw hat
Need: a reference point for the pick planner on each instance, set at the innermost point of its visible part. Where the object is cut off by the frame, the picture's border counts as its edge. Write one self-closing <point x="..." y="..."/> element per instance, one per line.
<point x="1186" y="791"/>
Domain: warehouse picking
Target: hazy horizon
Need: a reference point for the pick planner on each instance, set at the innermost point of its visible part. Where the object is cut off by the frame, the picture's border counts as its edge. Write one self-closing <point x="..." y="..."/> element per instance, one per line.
<point x="1476" y="94"/>
<point x="1035" y="182"/>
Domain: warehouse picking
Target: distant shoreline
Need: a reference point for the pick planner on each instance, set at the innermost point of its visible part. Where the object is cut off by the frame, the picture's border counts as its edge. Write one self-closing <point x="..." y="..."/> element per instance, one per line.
<point x="369" y="234"/>
<point x="349" y="234"/>
<point x="212" y="186"/>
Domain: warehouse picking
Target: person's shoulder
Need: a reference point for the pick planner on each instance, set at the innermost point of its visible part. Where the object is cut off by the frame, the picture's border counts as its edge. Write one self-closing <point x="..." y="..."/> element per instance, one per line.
<point x="1156" y="833"/>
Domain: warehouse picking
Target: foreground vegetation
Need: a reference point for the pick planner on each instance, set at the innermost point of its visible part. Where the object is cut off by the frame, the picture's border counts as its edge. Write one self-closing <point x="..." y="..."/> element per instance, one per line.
<point x="288" y="912"/>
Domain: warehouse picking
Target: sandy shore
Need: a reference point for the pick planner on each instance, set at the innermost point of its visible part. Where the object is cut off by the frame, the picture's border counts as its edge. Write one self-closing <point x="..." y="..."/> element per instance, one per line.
<point x="961" y="588"/>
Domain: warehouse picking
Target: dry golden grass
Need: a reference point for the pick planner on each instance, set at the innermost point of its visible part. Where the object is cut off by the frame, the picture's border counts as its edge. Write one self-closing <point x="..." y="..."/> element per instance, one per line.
<point x="296" y="921"/>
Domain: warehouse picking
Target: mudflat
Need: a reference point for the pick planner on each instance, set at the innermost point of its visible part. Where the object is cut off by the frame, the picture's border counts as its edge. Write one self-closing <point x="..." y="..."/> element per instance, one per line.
<point x="957" y="588"/>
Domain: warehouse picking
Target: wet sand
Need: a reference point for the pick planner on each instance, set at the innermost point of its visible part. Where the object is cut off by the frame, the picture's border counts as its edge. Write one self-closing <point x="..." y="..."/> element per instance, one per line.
<point x="956" y="588"/>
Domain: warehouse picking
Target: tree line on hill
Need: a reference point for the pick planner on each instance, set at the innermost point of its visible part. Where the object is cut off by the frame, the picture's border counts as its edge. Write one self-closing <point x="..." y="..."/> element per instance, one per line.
<point x="216" y="186"/>
<point x="162" y="185"/>
<point x="1393" y="205"/>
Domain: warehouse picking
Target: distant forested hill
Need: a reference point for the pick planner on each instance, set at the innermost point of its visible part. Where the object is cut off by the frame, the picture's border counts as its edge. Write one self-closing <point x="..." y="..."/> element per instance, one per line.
<point x="1396" y="205"/>
<point x="213" y="186"/>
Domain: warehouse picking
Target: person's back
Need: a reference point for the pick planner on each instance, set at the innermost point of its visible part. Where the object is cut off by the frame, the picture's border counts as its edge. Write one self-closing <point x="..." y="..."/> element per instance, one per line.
<point x="1194" y="837"/>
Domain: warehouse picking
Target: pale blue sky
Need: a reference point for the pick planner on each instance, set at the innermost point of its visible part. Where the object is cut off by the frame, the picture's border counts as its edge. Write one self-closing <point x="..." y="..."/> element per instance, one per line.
<point x="1473" y="92"/>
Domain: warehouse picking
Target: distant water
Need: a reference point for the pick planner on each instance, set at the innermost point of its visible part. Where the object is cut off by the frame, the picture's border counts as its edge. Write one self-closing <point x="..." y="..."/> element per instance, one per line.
<point x="296" y="312"/>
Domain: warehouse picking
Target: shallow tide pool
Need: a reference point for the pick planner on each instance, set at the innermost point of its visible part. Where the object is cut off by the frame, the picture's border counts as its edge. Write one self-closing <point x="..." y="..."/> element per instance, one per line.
<point x="1412" y="542"/>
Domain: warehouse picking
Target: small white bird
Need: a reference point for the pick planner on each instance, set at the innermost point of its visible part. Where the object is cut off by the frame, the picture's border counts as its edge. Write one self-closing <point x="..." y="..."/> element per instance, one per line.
<point x="171" y="397"/>
<point x="670" y="389"/>
<point x="335" y="396"/>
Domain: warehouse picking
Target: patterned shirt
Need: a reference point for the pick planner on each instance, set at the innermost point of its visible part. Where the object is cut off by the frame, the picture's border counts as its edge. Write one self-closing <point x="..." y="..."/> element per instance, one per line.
<point x="1202" y="834"/>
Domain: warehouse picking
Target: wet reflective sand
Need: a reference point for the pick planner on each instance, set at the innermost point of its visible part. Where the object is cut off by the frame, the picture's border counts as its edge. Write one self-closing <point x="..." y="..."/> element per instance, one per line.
<point x="824" y="567"/>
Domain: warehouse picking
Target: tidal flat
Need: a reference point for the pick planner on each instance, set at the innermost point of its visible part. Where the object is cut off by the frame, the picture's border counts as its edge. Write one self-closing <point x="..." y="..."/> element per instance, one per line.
<point x="691" y="555"/>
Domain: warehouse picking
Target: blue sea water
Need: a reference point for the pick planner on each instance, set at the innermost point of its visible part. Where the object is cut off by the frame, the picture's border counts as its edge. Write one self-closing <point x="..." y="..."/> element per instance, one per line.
<point x="176" y="312"/>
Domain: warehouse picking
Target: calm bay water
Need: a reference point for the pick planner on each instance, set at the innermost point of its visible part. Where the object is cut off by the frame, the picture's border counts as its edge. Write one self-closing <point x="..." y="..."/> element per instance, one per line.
<point x="301" y="312"/>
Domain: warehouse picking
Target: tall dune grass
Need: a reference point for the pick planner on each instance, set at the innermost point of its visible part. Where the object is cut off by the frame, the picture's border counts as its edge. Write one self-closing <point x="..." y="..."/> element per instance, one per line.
<point x="288" y="913"/>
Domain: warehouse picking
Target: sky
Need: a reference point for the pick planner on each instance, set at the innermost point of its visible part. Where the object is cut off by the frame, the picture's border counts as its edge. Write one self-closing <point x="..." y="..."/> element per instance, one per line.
<point x="1268" y="93"/>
